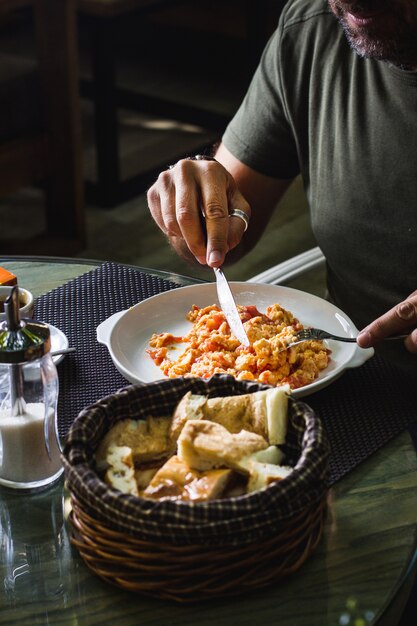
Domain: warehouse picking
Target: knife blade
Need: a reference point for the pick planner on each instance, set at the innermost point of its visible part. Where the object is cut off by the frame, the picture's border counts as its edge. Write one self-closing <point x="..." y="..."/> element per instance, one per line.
<point x="229" y="308"/>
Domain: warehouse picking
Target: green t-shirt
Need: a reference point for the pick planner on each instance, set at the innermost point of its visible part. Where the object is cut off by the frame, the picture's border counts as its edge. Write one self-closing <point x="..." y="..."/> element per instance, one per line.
<point x="349" y="126"/>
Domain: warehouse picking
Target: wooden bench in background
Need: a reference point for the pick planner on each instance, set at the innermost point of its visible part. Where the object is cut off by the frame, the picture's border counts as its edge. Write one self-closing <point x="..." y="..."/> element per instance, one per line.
<point x="40" y="128"/>
<point x="246" y="22"/>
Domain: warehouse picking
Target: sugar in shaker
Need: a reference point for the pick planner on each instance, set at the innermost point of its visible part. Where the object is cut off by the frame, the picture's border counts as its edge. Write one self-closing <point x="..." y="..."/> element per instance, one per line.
<point x="29" y="446"/>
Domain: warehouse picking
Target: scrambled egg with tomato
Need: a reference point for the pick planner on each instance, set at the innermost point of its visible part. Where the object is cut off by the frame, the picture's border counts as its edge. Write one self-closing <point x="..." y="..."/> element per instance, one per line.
<point x="212" y="348"/>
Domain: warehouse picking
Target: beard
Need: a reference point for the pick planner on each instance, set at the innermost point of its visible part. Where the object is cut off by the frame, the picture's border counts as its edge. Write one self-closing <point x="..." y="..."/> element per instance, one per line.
<point x="391" y="37"/>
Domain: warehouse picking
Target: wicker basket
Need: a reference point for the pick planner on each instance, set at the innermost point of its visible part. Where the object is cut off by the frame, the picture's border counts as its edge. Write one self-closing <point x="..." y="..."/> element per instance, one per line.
<point x="190" y="551"/>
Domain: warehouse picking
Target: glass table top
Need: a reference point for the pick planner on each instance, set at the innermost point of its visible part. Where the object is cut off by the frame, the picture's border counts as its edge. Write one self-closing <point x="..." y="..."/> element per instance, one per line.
<point x="360" y="570"/>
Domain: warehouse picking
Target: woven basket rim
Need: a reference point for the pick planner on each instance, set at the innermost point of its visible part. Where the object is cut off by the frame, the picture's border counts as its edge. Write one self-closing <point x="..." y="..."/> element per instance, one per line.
<point x="243" y="518"/>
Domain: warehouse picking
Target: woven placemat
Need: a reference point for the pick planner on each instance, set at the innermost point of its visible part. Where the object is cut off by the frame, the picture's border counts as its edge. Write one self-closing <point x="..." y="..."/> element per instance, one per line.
<point x="77" y="308"/>
<point x="361" y="411"/>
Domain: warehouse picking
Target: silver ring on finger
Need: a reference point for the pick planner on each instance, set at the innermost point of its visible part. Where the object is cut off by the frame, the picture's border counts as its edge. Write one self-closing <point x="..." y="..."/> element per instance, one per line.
<point x="241" y="215"/>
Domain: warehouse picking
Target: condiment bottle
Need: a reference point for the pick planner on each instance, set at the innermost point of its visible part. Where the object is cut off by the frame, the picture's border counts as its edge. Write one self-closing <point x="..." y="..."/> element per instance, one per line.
<point x="29" y="447"/>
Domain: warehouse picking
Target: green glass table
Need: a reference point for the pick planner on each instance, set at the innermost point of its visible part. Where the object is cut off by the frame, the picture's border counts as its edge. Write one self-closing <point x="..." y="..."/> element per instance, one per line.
<point x="360" y="574"/>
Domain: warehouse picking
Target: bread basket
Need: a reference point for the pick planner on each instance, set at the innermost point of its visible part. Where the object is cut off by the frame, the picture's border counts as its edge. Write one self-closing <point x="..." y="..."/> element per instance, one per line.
<point x="187" y="551"/>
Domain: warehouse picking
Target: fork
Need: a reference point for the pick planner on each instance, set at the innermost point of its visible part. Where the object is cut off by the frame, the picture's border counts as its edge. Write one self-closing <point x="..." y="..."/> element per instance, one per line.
<point x="316" y="334"/>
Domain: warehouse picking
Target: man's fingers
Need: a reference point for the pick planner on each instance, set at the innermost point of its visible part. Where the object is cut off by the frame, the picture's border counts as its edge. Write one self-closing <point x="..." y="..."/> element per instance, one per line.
<point x="223" y="232"/>
<point x="411" y="342"/>
<point x="187" y="205"/>
<point x="191" y="201"/>
<point x="167" y="203"/>
<point x="397" y="320"/>
<point x="154" y="205"/>
<point x="214" y="206"/>
<point x="161" y="203"/>
<point x="237" y="225"/>
<point x="407" y="311"/>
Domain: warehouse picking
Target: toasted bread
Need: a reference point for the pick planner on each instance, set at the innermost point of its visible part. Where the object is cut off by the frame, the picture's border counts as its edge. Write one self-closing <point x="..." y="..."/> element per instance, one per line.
<point x="148" y="439"/>
<point x="144" y="476"/>
<point x="271" y="455"/>
<point x="263" y="412"/>
<point x="175" y="480"/>
<point x="263" y="474"/>
<point x="204" y="445"/>
<point x="190" y="407"/>
<point x="121" y="472"/>
<point x="276" y="401"/>
<point x="235" y="413"/>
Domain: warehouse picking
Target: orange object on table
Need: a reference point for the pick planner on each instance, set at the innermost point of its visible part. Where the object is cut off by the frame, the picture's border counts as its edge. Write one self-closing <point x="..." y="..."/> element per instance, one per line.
<point x="7" y="278"/>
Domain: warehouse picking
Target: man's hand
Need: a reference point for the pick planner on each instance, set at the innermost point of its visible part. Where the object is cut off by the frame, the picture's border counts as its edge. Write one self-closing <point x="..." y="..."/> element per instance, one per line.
<point x="191" y="202"/>
<point x="398" y="320"/>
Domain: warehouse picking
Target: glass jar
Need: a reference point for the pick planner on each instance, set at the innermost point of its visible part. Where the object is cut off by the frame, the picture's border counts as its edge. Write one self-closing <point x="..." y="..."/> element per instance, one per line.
<point x="30" y="455"/>
<point x="34" y="549"/>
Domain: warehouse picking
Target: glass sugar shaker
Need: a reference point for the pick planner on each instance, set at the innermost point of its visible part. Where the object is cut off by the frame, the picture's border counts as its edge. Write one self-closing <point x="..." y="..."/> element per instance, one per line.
<point x="29" y="447"/>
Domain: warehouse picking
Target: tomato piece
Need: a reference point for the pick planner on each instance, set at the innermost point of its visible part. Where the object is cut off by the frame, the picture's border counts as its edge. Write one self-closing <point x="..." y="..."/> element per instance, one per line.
<point x="247" y="312"/>
<point x="217" y="320"/>
<point x="158" y="355"/>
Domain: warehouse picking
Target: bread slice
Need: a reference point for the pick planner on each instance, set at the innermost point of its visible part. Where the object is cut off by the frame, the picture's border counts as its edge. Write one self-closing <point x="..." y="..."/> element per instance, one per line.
<point x="271" y="455"/>
<point x="276" y="403"/>
<point x="148" y="439"/>
<point x="204" y="445"/>
<point x="144" y="476"/>
<point x="121" y="471"/>
<point x="190" y="407"/>
<point x="235" y="413"/>
<point x="175" y="480"/>
<point x="263" y="474"/>
<point x="262" y="412"/>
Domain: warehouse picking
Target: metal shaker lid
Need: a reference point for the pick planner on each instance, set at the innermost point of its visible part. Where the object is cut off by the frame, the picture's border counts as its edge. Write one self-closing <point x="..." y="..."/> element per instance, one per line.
<point x="21" y="340"/>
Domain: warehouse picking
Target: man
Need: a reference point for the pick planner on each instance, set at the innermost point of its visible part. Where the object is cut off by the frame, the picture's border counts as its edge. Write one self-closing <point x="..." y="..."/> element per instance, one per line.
<point x="334" y="99"/>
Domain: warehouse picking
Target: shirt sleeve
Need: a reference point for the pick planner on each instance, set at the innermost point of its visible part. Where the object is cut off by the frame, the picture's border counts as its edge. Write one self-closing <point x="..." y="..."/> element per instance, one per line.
<point x="259" y="134"/>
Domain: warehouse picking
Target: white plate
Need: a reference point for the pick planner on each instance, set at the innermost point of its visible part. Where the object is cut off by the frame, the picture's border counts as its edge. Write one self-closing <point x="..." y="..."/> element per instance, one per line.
<point x="127" y="333"/>
<point x="59" y="341"/>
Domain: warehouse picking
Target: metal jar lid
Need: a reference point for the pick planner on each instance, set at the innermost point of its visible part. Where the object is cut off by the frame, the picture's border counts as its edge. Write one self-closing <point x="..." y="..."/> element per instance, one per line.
<point x="24" y="340"/>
